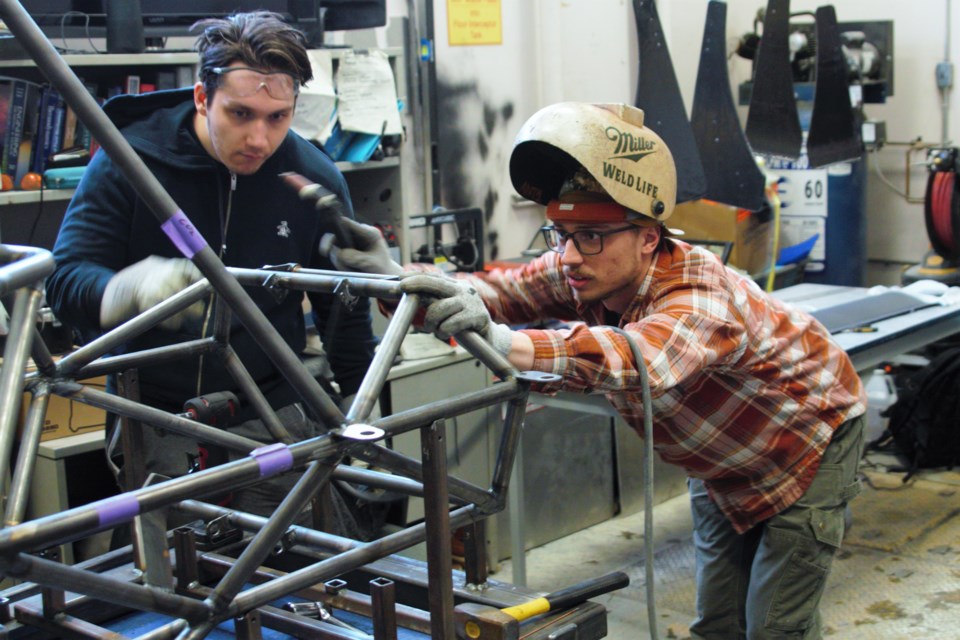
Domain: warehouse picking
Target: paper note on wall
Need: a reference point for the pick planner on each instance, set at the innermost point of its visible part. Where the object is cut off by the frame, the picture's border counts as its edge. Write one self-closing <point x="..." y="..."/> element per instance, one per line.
<point x="368" y="94"/>
<point x="317" y="102"/>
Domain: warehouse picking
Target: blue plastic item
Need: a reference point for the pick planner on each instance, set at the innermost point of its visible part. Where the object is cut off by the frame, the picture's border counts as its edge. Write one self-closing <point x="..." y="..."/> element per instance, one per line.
<point x="797" y="252"/>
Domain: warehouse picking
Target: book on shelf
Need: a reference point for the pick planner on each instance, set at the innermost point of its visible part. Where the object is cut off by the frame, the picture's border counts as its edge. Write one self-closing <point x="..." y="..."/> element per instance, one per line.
<point x="22" y="126"/>
<point x="6" y="95"/>
<point x="49" y="137"/>
<point x="131" y="85"/>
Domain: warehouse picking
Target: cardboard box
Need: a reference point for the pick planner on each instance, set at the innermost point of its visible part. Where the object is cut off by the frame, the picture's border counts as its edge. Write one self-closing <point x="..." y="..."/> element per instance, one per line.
<point x="708" y="220"/>
<point x="67" y="417"/>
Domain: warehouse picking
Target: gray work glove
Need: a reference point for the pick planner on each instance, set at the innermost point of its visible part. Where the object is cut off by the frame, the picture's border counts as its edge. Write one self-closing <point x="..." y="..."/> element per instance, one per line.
<point x="454" y="306"/>
<point x="369" y="253"/>
<point x="144" y="284"/>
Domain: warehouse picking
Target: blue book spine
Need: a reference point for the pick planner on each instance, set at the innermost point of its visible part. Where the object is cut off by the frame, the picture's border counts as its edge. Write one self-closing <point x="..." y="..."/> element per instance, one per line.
<point x="6" y="93"/>
<point x="56" y="134"/>
<point x="48" y="100"/>
<point x="14" y="128"/>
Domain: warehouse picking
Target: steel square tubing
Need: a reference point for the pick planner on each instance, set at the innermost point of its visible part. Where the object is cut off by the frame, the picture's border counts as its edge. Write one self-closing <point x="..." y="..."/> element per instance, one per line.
<point x="363" y="553"/>
<point x="87" y="519"/>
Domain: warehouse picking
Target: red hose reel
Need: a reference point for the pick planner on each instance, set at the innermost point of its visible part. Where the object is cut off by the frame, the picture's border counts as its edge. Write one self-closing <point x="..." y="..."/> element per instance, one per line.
<point x="942" y="207"/>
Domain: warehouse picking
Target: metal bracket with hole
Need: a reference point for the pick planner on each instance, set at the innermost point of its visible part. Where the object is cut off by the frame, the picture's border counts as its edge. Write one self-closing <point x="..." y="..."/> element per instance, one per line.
<point x="361" y="432"/>
<point x="538" y="377"/>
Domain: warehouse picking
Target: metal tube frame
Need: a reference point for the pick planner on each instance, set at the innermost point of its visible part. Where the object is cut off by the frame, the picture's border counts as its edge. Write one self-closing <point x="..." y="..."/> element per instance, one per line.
<point x="225" y="601"/>
<point x="23" y="269"/>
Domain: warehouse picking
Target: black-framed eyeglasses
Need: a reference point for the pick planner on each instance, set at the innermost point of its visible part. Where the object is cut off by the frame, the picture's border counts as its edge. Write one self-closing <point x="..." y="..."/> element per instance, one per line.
<point x="244" y="82"/>
<point x="589" y="242"/>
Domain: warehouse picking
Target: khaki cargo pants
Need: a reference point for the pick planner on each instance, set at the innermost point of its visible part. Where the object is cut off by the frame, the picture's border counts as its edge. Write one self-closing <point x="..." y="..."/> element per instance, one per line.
<point x="766" y="583"/>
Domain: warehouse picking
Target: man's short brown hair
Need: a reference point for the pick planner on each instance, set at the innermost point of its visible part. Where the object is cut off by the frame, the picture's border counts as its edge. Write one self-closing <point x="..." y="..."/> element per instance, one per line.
<point x="258" y="39"/>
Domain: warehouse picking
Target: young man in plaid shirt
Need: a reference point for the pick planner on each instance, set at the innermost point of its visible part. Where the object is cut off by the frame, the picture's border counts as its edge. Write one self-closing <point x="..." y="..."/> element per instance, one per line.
<point x="750" y="396"/>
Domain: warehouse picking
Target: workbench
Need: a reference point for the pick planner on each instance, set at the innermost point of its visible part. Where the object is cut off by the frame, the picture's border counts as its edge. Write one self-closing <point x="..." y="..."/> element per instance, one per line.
<point x="883" y="340"/>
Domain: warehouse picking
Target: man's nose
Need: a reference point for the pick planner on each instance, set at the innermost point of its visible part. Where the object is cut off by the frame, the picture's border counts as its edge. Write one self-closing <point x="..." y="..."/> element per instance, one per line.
<point x="571" y="254"/>
<point x="257" y="134"/>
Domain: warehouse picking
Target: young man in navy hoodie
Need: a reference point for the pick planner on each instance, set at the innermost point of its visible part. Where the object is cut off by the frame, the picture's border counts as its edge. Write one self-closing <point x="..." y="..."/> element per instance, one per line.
<point x="218" y="149"/>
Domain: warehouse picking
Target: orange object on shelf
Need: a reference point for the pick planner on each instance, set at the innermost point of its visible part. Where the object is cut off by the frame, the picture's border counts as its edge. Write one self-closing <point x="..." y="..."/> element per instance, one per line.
<point x="31" y="181"/>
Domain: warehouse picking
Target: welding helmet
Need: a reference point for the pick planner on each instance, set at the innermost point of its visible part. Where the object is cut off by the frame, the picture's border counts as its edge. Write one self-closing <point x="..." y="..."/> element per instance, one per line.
<point x="573" y="152"/>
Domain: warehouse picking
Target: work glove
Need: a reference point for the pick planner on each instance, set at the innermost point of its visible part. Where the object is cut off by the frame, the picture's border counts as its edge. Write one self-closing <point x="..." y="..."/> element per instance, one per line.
<point x="369" y="253"/>
<point x="454" y="306"/>
<point x="144" y="284"/>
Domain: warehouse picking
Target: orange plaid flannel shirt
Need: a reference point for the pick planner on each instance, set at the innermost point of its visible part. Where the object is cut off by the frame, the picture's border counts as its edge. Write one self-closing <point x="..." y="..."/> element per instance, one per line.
<point x="747" y="391"/>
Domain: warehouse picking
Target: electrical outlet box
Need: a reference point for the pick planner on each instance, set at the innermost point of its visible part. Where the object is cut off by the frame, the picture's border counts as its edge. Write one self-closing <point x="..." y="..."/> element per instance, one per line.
<point x="944" y="75"/>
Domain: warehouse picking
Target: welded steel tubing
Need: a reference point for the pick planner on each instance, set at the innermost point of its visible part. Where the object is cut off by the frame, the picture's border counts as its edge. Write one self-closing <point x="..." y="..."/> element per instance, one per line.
<point x="103" y="514"/>
<point x="15" y="352"/>
<point x="155" y="417"/>
<point x="26" y="266"/>
<point x="383" y="601"/>
<point x="343" y="562"/>
<point x="343" y="599"/>
<point x="322" y="541"/>
<point x="116" y="338"/>
<point x="199" y="631"/>
<point x="509" y="441"/>
<point x="464" y="403"/>
<point x="265" y="541"/>
<point x="27" y="456"/>
<point x="187" y="571"/>
<point x="253" y="395"/>
<point x="475" y="553"/>
<point x="378" y="480"/>
<point x="123" y="362"/>
<point x="398" y="463"/>
<point x="57" y="576"/>
<point x="42" y="358"/>
<point x="379" y="369"/>
<point x="485" y="353"/>
<point x="168" y="631"/>
<point x="152" y="548"/>
<point x="166" y="210"/>
<point x="436" y="508"/>
<point x="75" y="523"/>
<point x="365" y="285"/>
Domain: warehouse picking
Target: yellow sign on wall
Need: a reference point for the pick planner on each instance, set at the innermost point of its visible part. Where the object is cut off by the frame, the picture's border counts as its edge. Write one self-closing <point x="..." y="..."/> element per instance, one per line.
<point x="474" y="22"/>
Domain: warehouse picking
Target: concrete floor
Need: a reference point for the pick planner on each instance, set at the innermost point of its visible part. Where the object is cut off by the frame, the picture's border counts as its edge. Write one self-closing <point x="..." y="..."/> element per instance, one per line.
<point x="897" y="576"/>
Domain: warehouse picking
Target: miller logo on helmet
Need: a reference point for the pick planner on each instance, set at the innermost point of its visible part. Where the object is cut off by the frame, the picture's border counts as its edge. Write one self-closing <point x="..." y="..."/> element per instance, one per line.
<point x="629" y="162"/>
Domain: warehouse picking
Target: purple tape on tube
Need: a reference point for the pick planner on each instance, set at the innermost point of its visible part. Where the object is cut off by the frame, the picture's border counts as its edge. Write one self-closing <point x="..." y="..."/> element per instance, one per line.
<point x="273" y="459"/>
<point x="183" y="234"/>
<point x="116" y="510"/>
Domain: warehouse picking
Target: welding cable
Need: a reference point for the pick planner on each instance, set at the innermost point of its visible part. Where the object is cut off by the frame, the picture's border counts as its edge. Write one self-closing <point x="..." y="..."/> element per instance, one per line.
<point x="647" y="478"/>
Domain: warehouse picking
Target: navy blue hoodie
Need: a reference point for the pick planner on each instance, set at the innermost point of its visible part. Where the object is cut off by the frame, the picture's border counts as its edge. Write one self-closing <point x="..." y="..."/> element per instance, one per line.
<point x="108" y="227"/>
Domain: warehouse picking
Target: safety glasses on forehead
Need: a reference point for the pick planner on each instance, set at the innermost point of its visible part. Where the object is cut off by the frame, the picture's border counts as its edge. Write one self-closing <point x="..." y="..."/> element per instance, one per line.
<point x="244" y="82"/>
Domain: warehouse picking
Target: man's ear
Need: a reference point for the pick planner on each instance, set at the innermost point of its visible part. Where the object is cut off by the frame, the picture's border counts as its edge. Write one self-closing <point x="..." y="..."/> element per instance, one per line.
<point x="200" y="99"/>
<point x="649" y="239"/>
